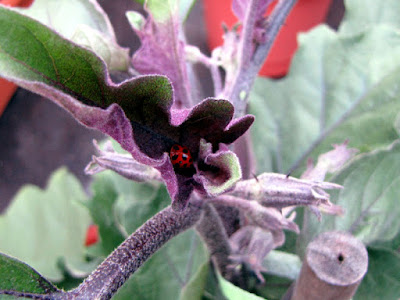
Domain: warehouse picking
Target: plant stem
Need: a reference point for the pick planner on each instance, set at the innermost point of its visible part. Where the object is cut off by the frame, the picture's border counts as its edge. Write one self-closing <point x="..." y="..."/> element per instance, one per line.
<point x="238" y="91"/>
<point x="104" y="282"/>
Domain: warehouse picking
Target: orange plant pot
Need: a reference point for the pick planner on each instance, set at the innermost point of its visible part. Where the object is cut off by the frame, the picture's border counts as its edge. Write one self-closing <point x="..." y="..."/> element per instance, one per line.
<point x="305" y="15"/>
<point x="7" y="90"/>
<point x="15" y="3"/>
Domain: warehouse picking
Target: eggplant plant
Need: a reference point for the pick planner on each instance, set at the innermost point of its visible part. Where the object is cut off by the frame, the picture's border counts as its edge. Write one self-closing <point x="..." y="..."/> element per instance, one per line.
<point x="224" y="177"/>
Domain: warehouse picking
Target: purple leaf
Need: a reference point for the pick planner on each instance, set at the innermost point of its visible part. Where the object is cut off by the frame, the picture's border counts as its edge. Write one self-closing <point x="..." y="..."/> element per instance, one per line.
<point x="163" y="52"/>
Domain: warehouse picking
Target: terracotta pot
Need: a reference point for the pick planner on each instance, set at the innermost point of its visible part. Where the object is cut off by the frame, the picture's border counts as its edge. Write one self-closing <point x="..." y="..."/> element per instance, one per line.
<point x="305" y="15"/>
<point x="7" y="89"/>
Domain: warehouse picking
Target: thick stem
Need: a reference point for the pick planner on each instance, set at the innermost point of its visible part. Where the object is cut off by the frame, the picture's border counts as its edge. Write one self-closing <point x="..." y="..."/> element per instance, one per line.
<point x="104" y="282"/>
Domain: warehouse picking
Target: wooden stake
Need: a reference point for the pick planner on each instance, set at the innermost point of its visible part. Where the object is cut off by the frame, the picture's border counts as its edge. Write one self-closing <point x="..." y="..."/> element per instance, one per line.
<point x="333" y="267"/>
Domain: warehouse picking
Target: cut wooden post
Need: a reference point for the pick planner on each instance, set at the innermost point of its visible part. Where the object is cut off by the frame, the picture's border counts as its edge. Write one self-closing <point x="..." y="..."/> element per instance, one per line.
<point x="333" y="267"/>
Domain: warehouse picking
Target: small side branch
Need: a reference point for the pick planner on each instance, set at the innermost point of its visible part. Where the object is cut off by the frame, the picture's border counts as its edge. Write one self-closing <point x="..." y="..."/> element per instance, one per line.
<point x="215" y="237"/>
<point x="238" y="91"/>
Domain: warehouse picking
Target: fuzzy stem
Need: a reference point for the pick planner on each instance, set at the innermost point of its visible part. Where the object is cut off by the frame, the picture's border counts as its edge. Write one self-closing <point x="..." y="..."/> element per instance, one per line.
<point x="238" y="91"/>
<point x="104" y="282"/>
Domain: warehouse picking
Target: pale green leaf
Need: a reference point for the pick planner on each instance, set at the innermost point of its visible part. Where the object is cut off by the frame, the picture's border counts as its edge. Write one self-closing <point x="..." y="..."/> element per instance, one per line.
<point x="115" y="57"/>
<point x="338" y="88"/>
<point x="282" y="264"/>
<point x="40" y="227"/>
<point x="101" y="206"/>
<point x="370" y="195"/>
<point x="361" y="15"/>
<point x="64" y="16"/>
<point x="194" y="289"/>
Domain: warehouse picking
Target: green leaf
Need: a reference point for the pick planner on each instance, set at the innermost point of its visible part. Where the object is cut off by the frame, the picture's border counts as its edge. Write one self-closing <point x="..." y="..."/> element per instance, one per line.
<point x="75" y="71"/>
<point x="274" y="288"/>
<point x="122" y="205"/>
<point x="282" y="264"/>
<point x="232" y="292"/>
<point x="115" y="57"/>
<point x="371" y="125"/>
<point x="40" y="227"/>
<point x="119" y="206"/>
<point x="369" y="197"/>
<point x="165" y="273"/>
<point x="64" y="16"/>
<point x="18" y="276"/>
<point x="85" y="23"/>
<point x="339" y="87"/>
<point x="371" y="190"/>
<point x="361" y="15"/>
<point x="194" y="289"/>
<point x="136" y="207"/>
<point x="101" y="208"/>
<point x="382" y="280"/>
